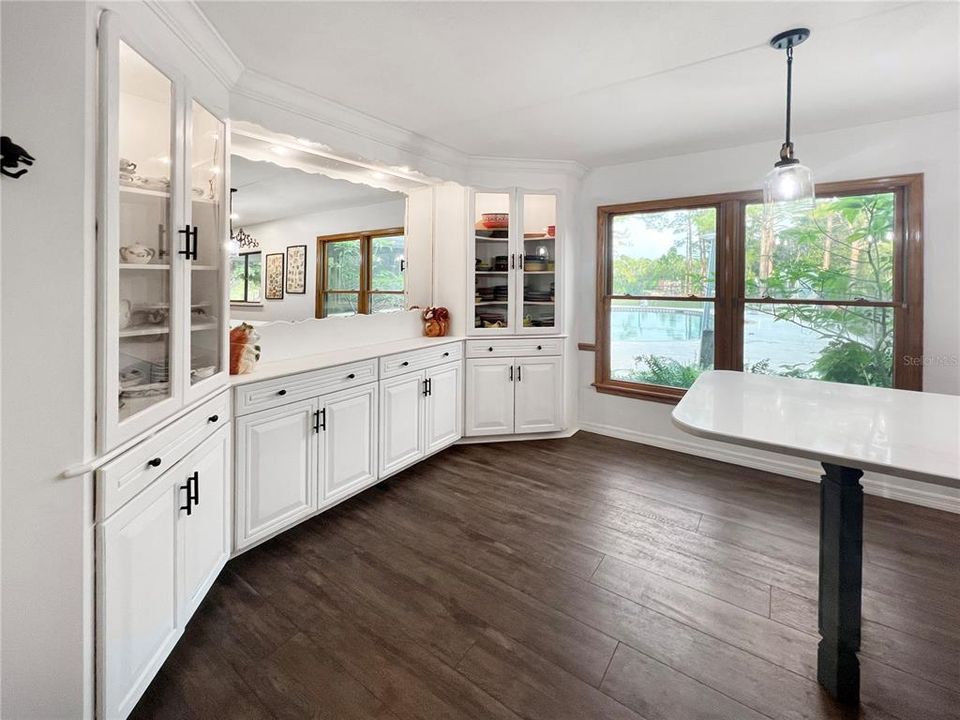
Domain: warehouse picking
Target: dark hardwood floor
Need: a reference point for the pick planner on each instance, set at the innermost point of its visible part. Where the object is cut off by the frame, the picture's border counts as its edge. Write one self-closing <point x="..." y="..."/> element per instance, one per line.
<point x="556" y="579"/>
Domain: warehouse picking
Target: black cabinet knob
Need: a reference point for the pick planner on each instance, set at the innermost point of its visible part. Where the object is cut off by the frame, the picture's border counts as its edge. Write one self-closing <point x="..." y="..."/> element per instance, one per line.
<point x="446" y="354"/>
<point x="351" y="376"/>
<point x="490" y="349"/>
<point x="213" y="418"/>
<point x="404" y="363"/>
<point x="539" y="347"/>
<point x="155" y="462"/>
<point x="281" y="392"/>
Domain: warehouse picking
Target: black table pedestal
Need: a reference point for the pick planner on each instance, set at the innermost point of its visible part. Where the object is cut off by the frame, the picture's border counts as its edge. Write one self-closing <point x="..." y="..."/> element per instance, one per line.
<point x="841" y="569"/>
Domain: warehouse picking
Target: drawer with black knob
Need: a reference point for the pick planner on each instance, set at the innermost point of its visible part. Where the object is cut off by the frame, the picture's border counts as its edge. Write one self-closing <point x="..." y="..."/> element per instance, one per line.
<point x="400" y="363"/>
<point x="265" y="394"/>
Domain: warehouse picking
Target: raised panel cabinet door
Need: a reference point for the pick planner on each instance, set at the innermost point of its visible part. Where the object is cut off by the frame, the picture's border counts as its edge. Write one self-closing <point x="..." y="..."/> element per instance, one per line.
<point x="137" y="619"/>
<point x="276" y="469"/>
<point x="204" y="536"/>
<point x="401" y="413"/>
<point x="349" y="457"/>
<point x="444" y="406"/>
<point x="489" y="397"/>
<point x="539" y="394"/>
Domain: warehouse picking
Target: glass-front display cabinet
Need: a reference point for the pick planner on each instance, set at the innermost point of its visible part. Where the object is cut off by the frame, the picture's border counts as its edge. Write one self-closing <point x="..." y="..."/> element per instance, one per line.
<point x="161" y="241"/>
<point x="514" y="262"/>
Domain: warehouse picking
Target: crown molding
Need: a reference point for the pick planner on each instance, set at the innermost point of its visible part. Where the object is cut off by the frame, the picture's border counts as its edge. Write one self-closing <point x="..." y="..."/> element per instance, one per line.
<point x="570" y="168"/>
<point x="187" y="21"/>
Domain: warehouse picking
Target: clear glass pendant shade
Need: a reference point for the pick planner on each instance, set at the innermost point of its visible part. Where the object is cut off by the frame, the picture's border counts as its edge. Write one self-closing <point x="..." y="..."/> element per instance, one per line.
<point x="788" y="192"/>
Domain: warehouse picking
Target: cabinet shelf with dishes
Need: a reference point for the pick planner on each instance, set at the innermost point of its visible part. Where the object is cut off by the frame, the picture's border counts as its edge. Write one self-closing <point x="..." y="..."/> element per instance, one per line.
<point x="514" y="262"/>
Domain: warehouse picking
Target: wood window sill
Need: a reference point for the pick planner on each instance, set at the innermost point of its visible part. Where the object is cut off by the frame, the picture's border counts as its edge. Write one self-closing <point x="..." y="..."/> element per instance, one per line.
<point x="638" y="391"/>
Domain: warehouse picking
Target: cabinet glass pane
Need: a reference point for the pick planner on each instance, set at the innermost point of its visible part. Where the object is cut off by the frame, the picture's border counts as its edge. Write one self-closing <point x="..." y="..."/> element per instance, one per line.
<point x="539" y="260"/>
<point x="386" y="255"/>
<point x="206" y="268"/>
<point x="145" y="143"/>
<point x="492" y="266"/>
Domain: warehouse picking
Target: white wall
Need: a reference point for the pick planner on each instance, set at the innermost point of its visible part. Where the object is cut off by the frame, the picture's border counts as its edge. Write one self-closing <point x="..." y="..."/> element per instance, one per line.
<point x="276" y="235"/>
<point x="927" y="144"/>
<point x="48" y="98"/>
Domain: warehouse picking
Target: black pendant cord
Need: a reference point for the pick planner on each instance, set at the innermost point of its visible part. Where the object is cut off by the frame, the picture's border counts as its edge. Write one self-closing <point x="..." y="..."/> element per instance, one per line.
<point x="789" y="87"/>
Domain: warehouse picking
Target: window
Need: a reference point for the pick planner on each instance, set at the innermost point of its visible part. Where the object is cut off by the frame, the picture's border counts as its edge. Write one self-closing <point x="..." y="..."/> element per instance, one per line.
<point x="691" y="284"/>
<point x="360" y="273"/>
<point x="245" y="275"/>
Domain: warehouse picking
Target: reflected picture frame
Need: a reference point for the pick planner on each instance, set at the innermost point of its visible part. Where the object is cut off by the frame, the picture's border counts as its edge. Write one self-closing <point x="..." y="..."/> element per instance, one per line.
<point x="296" y="283"/>
<point x="273" y="280"/>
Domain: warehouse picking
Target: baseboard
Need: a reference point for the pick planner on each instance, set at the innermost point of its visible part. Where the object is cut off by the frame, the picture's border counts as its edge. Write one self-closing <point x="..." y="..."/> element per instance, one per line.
<point x="927" y="495"/>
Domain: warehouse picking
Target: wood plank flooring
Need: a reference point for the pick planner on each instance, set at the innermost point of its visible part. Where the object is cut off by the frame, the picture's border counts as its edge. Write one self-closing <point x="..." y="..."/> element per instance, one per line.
<point x="578" y="578"/>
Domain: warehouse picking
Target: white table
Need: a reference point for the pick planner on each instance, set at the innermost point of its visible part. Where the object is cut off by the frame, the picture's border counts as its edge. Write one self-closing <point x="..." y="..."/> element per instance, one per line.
<point x="849" y="429"/>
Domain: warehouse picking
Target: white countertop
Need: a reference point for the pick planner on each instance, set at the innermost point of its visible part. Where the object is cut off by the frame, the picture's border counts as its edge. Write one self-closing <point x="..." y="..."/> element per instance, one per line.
<point x="305" y="363"/>
<point x="899" y="432"/>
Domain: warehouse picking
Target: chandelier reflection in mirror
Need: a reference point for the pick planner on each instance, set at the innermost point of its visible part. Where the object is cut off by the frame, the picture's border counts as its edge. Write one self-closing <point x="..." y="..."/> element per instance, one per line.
<point x="240" y="239"/>
<point x="788" y="190"/>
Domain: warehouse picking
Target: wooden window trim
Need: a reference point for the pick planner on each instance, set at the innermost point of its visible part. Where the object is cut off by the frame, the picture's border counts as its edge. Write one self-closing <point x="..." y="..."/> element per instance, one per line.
<point x="365" y="292"/>
<point x="730" y="301"/>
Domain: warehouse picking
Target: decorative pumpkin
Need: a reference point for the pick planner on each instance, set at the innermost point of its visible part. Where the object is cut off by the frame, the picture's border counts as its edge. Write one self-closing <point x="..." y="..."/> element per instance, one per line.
<point x="244" y="352"/>
<point x="435" y="321"/>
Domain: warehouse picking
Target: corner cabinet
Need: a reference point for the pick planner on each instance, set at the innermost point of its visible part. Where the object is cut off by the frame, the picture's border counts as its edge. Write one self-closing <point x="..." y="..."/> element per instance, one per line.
<point x="514" y="263"/>
<point x="161" y="236"/>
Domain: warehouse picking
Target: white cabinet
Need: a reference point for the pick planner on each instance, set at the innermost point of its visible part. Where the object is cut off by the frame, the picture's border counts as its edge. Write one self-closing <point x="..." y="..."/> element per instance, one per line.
<point x="420" y="413"/>
<point x="443" y="407"/>
<point x="401" y="420"/>
<point x="156" y="558"/>
<point x="490" y="396"/>
<point x="276" y="469"/>
<point x="514" y="263"/>
<point x="205" y="530"/>
<point x="348" y="431"/>
<point x="161" y="226"/>
<point x="514" y="395"/>
<point x="137" y="622"/>
<point x="538" y="398"/>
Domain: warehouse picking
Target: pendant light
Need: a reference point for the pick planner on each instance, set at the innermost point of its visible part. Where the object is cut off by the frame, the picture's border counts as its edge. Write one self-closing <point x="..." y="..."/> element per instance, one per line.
<point x="788" y="188"/>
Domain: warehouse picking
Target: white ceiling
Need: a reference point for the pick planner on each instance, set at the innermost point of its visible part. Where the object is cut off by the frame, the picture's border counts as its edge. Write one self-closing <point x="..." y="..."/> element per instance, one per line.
<point x="603" y="82"/>
<point x="266" y="191"/>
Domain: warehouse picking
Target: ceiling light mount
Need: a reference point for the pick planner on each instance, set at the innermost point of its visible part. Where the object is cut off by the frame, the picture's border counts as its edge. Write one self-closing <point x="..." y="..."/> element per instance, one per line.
<point x="789" y="38"/>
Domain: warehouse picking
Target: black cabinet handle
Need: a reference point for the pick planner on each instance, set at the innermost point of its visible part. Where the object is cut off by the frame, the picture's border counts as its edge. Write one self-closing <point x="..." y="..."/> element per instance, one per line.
<point x="513" y="261"/>
<point x="403" y="264"/>
<point x="213" y="418"/>
<point x="155" y="462"/>
<point x="519" y="368"/>
<point x="425" y="393"/>
<point x="281" y="392"/>
<point x="316" y="421"/>
<point x="429" y="387"/>
<point x="190" y="242"/>
<point x="404" y="363"/>
<point x="511" y="373"/>
<point x="351" y="376"/>
<point x="323" y="419"/>
<point x="195" y="233"/>
<point x="196" y="487"/>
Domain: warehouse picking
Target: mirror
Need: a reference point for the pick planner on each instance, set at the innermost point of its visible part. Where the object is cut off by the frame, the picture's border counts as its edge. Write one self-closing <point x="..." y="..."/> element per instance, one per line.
<point x="314" y="235"/>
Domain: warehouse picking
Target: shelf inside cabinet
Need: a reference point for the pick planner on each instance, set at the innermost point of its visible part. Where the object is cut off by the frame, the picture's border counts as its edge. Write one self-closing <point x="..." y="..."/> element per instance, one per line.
<point x="491" y="272"/>
<point x="491" y="302"/>
<point x="539" y="272"/>
<point x="132" y="190"/>
<point x="205" y="268"/>
<point x="211" y="325"/>
<point x="144" y="266"/>
<point x="141" y="330"/>
<point x="538" y="302"/>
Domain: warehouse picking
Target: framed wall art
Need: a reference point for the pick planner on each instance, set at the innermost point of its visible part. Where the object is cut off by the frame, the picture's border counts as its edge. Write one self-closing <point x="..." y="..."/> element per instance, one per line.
<point x="273" y="281"/>
<point x="297" y="269"/>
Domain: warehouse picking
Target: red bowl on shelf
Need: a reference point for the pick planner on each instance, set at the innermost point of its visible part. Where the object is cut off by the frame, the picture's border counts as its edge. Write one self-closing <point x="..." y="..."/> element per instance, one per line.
<point x="551" y="230"/>
<point x="495" y="221"/>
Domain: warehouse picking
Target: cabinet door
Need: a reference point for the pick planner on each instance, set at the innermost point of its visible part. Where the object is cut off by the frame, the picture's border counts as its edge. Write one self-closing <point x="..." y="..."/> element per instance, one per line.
<point x="205" y="533"/>
<point x="538" y="260"/>
<point x="205" y="332"/>
<point x="401" y="422"/>
<point x="137" y="619"/>
<point x="443" y="407"/>
<point x="276" y="469"/>
<point x="489" y="397"/>
<point x="539" y="394"/>
<point x="139" y="212"/>
<point x="349" y="457"/>
<point x="493" y="264"/>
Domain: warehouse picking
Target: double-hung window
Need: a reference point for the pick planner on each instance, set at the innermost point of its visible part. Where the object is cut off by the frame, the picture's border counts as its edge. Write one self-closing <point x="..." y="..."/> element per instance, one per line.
<point x="360" y="272"/>
<point x="690" y="284"/>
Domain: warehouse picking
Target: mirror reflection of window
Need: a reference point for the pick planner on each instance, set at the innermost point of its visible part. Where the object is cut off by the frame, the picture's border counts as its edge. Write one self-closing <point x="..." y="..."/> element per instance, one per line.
<point x="361" y="273"/>
<point x="246" y="274"/>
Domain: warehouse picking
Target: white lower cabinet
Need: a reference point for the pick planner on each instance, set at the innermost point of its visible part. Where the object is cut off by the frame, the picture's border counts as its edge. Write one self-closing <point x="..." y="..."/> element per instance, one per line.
<point x="276" y="469"/>
<point x="401" y="421"/>
<point x="490" y="396"/>
<point x="156" y="558"/>
<point x="420" y="413"/>
<point x="514" y="395"/>
<point x="348" y="435"/>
